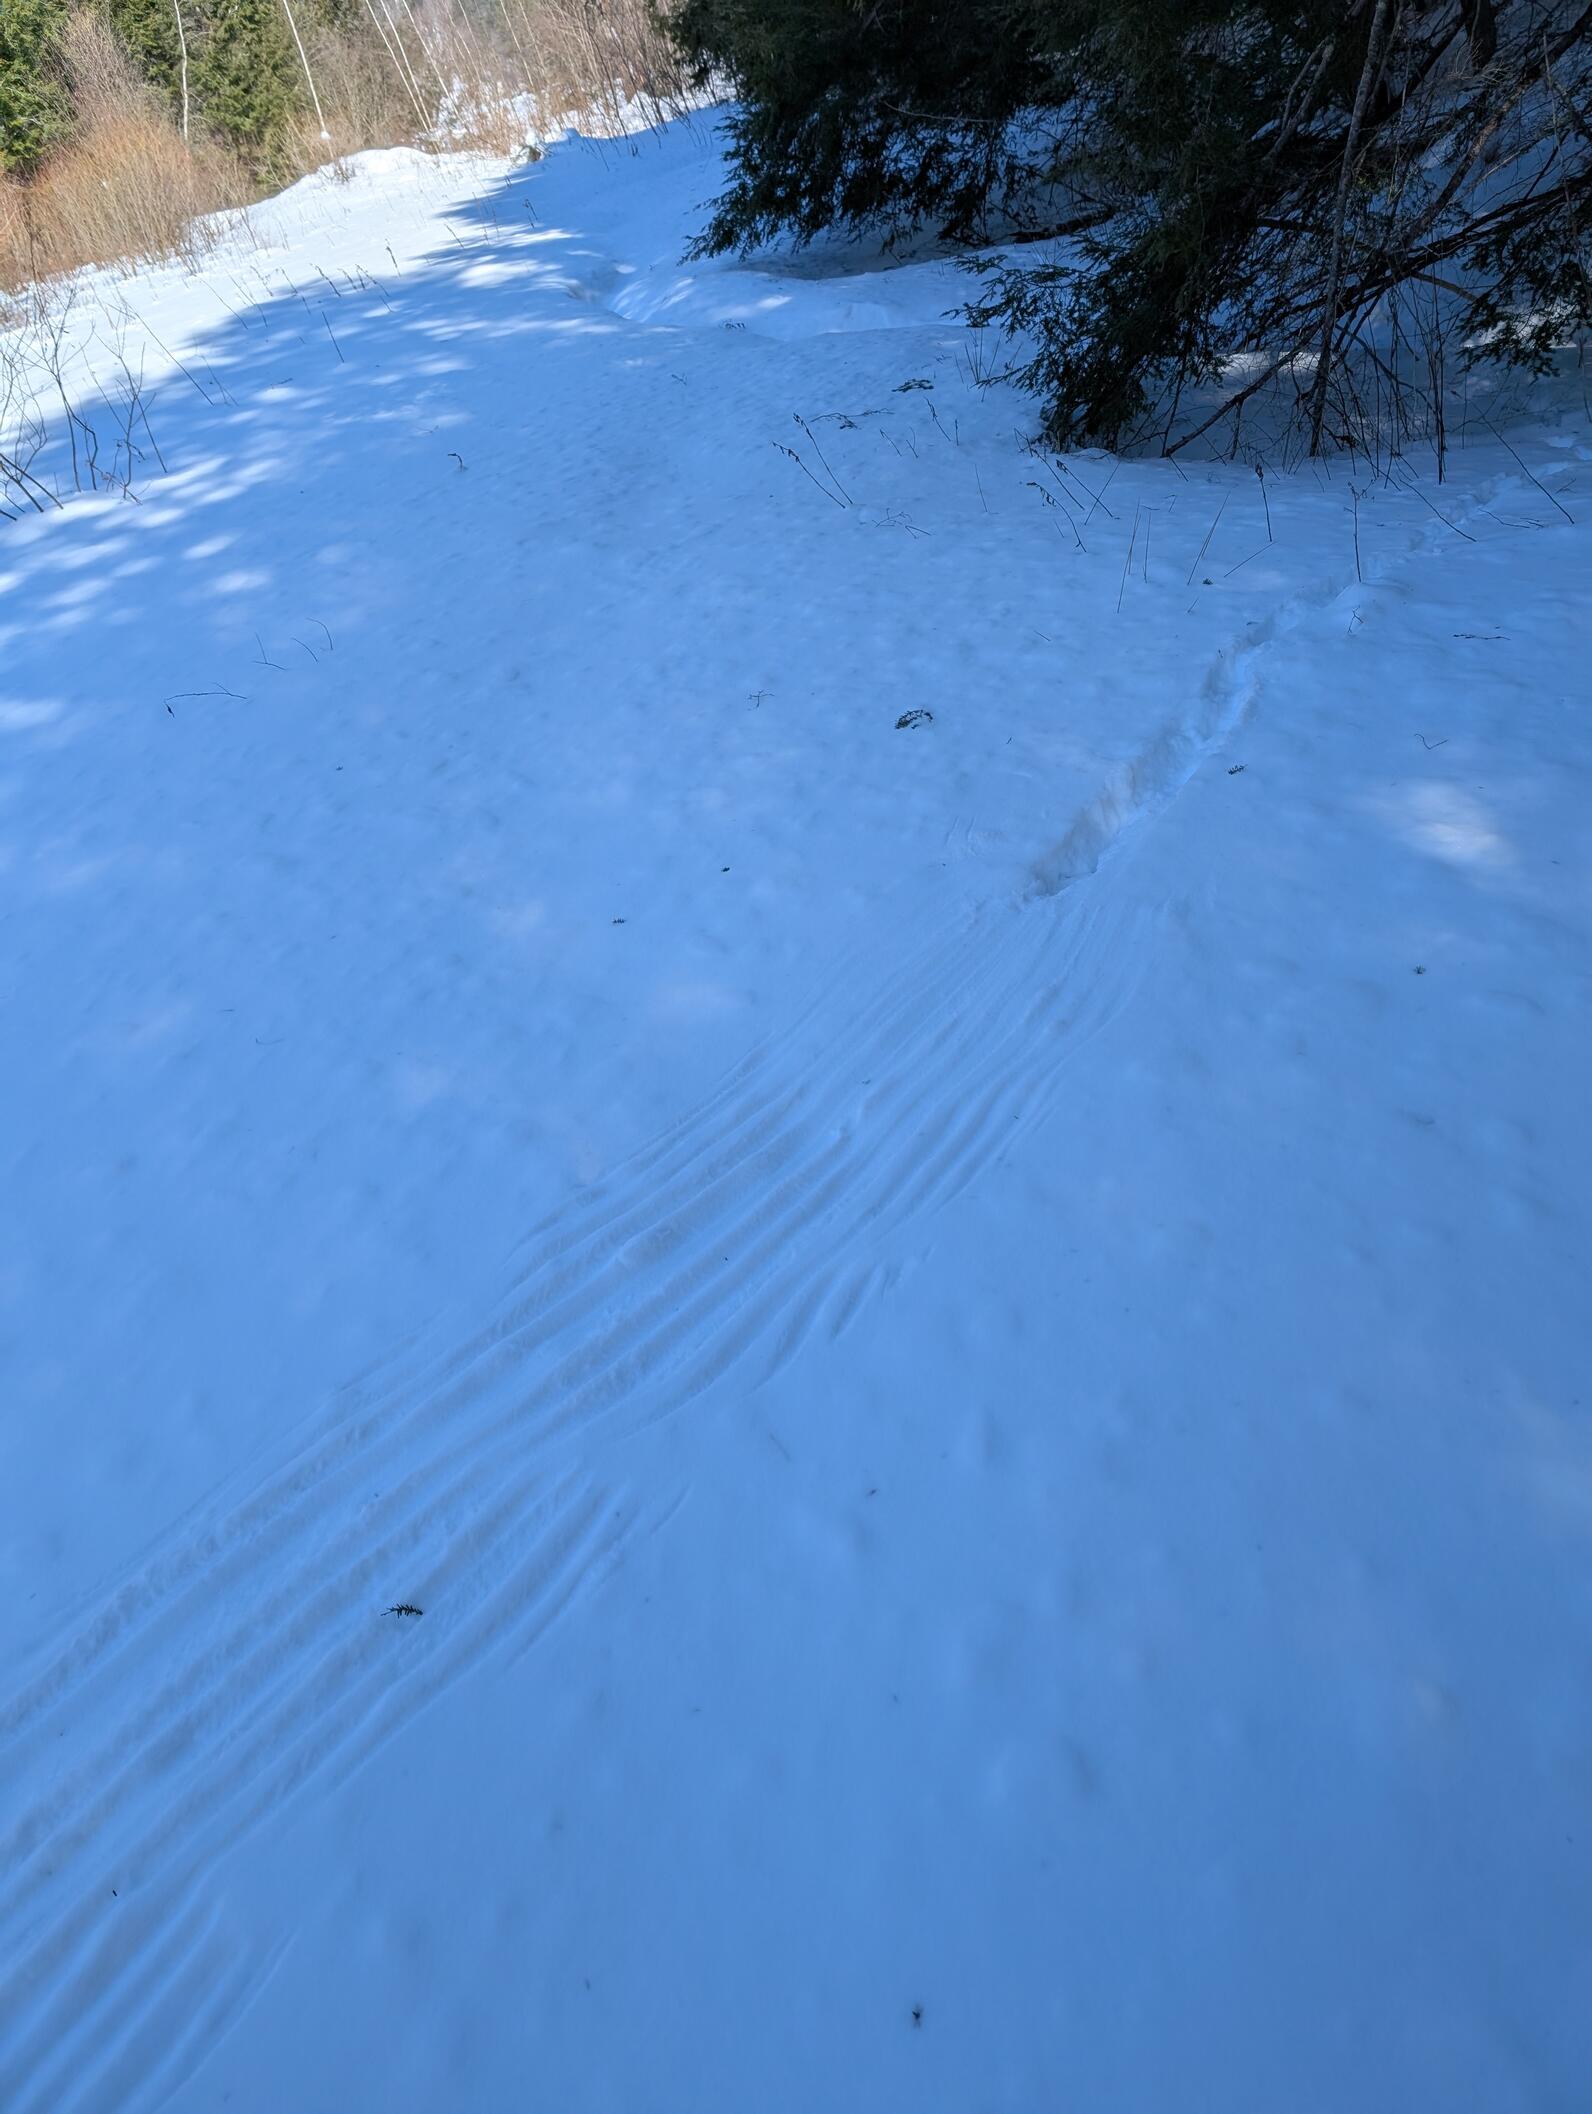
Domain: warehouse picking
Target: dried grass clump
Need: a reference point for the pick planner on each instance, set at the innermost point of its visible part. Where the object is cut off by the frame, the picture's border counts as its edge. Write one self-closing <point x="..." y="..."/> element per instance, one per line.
<point x="127" y="186"/>
<point x="124" y="186"/>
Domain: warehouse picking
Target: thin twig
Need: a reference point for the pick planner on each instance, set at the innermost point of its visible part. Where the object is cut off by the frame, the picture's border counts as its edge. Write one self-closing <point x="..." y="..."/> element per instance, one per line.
<point x="1199" y="556"/>
<point x="818" y="451"/>
<point x="1536" y="480"/>
<point x="1128" y="560"/>
<point x="791" y="455"/>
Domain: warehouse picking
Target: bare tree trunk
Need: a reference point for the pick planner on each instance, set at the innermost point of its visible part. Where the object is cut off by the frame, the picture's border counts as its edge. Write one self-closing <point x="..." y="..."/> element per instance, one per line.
<point x="393" y="47"/>
<point x="1329" y="324"/>
<point x="287" y="9"/>
<point x="182" y="47"/>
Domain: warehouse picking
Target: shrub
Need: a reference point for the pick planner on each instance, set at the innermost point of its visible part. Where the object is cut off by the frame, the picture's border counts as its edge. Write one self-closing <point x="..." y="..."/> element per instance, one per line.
<point x="123" y="186"/>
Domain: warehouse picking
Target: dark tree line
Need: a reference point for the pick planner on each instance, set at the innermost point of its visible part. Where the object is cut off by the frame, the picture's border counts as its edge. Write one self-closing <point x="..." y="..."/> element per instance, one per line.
<point x="1225" y="178"/>
<point x="235" y="58"/>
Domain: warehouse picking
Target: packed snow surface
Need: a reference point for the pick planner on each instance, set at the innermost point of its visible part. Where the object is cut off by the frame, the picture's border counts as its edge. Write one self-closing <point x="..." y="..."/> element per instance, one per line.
<point x="901" y="1130"/>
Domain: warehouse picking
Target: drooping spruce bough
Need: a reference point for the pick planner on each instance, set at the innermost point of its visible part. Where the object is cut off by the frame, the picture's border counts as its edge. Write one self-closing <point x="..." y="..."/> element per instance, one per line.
<point x="1223" y="180"/>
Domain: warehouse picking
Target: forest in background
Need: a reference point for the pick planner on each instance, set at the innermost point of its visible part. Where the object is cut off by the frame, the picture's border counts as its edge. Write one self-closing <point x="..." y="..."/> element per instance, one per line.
<point x="122" y="121"/>
<point x="1172" y="206"/>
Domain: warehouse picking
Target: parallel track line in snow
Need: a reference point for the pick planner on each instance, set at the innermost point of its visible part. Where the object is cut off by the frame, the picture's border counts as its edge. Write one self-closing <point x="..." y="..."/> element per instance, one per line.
<point x="505" y="1346"/>
<point x="750" y="1223"/>
<point x="330" y="1724"/>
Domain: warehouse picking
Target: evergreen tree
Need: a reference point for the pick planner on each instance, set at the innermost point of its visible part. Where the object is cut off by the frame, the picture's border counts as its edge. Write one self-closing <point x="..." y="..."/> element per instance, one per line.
<point x="897" y="114"/>
<point x="147" y="31"/>
<point x="1233" y="175"/>
<point x="33" y="99"/>
<point x="246" y="78"/>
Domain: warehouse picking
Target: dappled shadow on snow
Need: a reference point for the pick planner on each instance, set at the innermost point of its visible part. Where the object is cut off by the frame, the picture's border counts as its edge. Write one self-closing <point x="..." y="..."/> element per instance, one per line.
<point x="289" y="902"/>
<point x="445" y="584"/>
<point x="433" y="766"/>
<point x="266" y="425"/>
<point x="192" y="504"/>
<point x="419" y="786"/>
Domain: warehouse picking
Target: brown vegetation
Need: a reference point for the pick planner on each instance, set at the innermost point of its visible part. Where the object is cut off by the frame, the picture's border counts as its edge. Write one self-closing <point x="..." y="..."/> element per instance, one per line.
<point x="449" y="74"/>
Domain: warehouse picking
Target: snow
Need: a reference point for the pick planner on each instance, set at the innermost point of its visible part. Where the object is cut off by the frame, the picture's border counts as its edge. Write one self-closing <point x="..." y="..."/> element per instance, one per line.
<point x="969" y="1335"/>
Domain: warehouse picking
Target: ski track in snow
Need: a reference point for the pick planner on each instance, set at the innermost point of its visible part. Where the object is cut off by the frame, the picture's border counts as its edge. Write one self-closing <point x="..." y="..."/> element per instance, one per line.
<point x="247" y="1656"/>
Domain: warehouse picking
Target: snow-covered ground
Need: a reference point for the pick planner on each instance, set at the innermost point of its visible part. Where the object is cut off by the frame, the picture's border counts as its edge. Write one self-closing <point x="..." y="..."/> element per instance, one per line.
<point x="968" y="1330"/>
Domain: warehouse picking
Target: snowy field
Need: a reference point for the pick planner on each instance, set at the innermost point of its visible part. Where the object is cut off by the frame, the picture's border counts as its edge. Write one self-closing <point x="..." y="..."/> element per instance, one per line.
<point x="903" y="1131"/>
